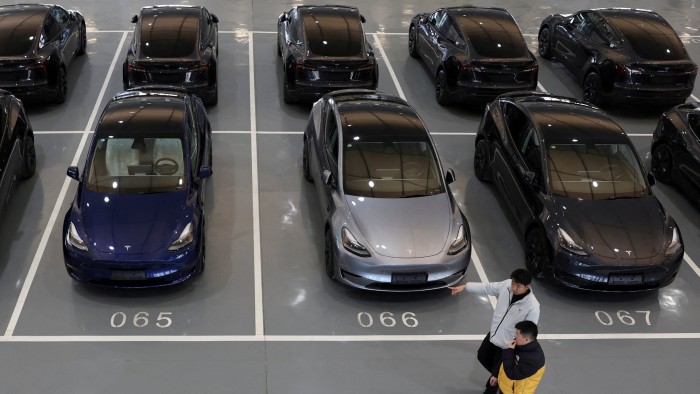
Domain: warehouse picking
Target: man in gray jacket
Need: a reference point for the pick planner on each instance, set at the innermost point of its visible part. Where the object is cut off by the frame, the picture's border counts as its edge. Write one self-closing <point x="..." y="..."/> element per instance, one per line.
<point x="515" y="303"/>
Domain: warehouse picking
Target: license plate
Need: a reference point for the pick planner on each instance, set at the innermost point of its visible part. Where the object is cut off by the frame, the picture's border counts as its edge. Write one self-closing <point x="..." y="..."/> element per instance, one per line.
<point x="128" y="275"/>
<point x="626" y="279"/>
<point x="409" y="278"/>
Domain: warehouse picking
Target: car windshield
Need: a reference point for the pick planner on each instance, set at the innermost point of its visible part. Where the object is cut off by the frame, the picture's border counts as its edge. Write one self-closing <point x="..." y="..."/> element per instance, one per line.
<point x="390" y="169"/>
<point x="595" y="171"/>
<point x="169" y="35"/>
<point x="333" y="34"/>
<point x="493" y="35"/>
<point x="18" y="32"/>
<point x="137" y="165"/>
<point x="650" y="36"/>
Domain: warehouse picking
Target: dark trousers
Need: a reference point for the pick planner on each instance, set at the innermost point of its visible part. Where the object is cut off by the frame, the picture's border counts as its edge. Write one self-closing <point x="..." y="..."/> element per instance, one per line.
<point x="489" y="355"/>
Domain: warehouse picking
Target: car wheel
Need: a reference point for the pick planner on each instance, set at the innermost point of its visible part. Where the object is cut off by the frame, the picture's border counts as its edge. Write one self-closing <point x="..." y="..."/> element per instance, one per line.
<point x="213" y="98"/>
<point x="83" y="41"/>
<point x="203" y="261"/>
<point x="329" y="255"/>
<point x="305" y="163"/>
<point x="286" y="95"/>
<point x="544" y="43"/>
<point x="662" y="162"/>
<point x="29" y="155"/>
<point x="279" y="48"/>
<point x="481" y="161"/>
<point x="413" y="43"/>
<point x="441" y="88"/>
<point x="61" y="86"/>
<point x="536" y="252"/>
<point x="591" y="88"/>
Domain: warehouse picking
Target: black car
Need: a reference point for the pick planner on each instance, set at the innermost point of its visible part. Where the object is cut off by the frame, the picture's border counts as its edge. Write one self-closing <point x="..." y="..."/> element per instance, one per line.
<point x="37" y="44"/>
<point x="174" y="45"/>
<point x="323" y="48"/>
<point x="17" y="155"/>
<point x="620" y="55"/>
<point x="675" y="149"/>
<point x="578" y="192"/>
<point x="474" y="53"/>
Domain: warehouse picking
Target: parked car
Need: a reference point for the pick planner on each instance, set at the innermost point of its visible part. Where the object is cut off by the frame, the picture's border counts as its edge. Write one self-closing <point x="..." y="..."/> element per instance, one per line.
<point x="323" y="48"/>
<point x="17" y="154"/>
<point x="620" y="55"/>
<point x="175" y="45"/>
<point x="37" y="44"/>
<point x="578" y="192"/>
<point x="390" y="220"/>
<point x="675" y="149"/>
<point x="137" y="218"/>
<point x="473" y="53"/>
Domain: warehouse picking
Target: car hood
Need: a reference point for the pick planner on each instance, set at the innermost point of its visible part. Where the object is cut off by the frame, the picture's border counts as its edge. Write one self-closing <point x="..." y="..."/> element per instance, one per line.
<point x="403" y="227"/>
<point x="630" y="229"/>
<point x="133" y="223"/>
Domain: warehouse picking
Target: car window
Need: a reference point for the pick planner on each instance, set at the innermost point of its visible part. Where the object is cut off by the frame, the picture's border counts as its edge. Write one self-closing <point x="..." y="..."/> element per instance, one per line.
<point x="137" y="165"/>
<point x="438" y="18"/>
<point x="333" y="33"/>
<point x="451" y="33"/>
<point x="650" y="36"/>
<point x="493" y="35"/>
<point x="331" y="140"/>
<point x="295" y="27"/>
<point x="517" y="123"/>
<point x="193" y="141"/>
<point x="50" y="29"/>
<point x="694" y="123"/>
<point x="204" y="26"/>
<point x="594" y="171"/>
<point x="531" y="153"/>
<point x="169" y="35"/>
<point x="390" y="169"/>
<point x="60" y="15"/>
<point x="18" y="32"/>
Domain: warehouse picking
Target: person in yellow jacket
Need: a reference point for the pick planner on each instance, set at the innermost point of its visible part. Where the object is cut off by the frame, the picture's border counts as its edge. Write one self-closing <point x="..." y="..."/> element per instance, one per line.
<point x="522" y="363"/>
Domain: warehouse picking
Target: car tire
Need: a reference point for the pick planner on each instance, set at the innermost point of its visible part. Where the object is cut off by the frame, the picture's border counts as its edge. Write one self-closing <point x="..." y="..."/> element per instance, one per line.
<point x="83" y="41"/>
<point x="591" y="89"/>
<point x="286" y="95"/>
<point x="213" y="98"/>
<point x="662" y="162"/>
<point x="544" y="43"/>
<point x="29" y="156"/>
<point x="61" y="86"/>
<point x="413" y="43"/>
<point x="481" y="161"/>
<point x="279" y="48"/>
<point x="329" y="256"/>
<point x="537" y="256"/>
<point x="441" y="95"/>
<point x="203" y="262"/>
<point x="305" y="163"/>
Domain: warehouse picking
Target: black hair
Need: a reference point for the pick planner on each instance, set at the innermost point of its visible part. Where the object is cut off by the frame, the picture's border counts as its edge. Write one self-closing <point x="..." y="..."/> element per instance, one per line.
<point x="522" y="276"/>
<point x="527" y="329"/>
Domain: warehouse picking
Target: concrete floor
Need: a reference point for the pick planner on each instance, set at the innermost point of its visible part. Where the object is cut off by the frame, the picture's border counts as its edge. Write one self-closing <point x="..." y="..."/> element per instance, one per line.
<point x="264" y="318"/>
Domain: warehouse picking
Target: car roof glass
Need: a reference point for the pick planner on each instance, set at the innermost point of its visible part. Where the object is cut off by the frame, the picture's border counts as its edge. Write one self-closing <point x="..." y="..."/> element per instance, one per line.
<point x="169" y="34"/>
<point x="649" y="35"/>
<point x="492" y="34"/>
<point x="332" y="32"/>
<point x="18" y="31"/>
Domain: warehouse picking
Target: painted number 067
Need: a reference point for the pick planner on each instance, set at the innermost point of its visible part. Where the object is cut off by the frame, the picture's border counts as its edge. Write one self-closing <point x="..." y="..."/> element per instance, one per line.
<point x="140" y="320"/>
<point x="387" y="319"/>
<point x="624" y="317"/>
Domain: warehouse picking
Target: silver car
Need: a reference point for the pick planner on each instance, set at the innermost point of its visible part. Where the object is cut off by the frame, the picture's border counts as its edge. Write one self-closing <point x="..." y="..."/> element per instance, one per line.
<point x="391" y="222"/>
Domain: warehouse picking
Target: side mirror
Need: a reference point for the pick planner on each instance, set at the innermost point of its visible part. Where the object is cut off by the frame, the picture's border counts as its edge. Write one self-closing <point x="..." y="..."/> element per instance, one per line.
<point x="283" y="17"/>
<point x="134" y="19"/>
<point x="205" y="172"/>
<point x="362" y="18"/>
<point x="529" y="177"/>
<point x="450" y="176"/>
<point x="651" y="178"/>
<point x="327" y="177"/>
<point x="214" y="18"/>
<point x="74" y="173"/>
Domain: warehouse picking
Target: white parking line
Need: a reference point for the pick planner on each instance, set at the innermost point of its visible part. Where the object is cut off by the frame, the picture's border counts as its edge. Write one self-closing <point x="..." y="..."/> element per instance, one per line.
<point x="334" y="338"/>
<point x="540" y="87"/>
<point x="388" y="65"/>
<point x="694" y="98"/>
<point x="59" y="201"/>
<point x="257" y="263"/>
<point x="61" y="132"/>
<point x="691" y="263"/>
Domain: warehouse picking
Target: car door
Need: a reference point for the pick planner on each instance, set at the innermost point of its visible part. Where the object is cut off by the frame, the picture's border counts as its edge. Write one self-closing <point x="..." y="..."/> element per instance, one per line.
<point x="67" y="33"/>
<point x="428" y="42"/>
<point x="689" y="158"/>
<point x="10" y="150"/>
<point x="328" y="158"/>
<point x="568" y="43"/>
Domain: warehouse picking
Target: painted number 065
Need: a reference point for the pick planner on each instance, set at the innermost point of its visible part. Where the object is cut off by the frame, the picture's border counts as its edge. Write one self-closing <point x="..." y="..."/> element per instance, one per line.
<point x="140" y="320"/>
<point x="387" y="319"/>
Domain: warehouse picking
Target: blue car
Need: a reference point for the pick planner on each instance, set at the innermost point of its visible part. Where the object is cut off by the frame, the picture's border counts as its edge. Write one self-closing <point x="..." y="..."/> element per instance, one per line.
<point x="137" y="219"/>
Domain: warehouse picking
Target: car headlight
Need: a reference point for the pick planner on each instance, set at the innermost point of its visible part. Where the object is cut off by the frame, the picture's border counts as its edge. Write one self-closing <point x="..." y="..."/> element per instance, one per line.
<point x="351" y="244"/>
<point x="675" y="245"/>
<point x="184" y="239"/>
<point x="459" y="243"/>
<point x="74" y="239"/>
<point x="568" y="243"/>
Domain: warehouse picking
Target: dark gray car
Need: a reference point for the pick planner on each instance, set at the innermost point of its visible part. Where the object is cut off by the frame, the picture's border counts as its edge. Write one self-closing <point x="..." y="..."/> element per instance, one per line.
<point x="390" y="220"/>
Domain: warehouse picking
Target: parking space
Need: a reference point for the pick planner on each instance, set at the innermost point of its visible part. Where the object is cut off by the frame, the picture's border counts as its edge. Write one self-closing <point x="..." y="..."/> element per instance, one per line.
<point x="264" y="317"/>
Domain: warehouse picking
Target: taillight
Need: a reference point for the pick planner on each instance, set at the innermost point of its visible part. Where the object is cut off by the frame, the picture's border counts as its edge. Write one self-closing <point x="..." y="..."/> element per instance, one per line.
<point x="203" y="66"/>
<point x="466" y="68"/>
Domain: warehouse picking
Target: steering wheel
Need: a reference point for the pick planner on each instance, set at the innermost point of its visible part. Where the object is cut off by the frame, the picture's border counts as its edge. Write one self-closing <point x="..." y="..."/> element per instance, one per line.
<point x="412" y="170"/>
<point x="166" y="166"/>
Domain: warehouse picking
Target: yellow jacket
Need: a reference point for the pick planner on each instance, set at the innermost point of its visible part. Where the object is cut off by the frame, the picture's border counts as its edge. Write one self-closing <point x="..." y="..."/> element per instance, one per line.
<point x="521" y="369"/>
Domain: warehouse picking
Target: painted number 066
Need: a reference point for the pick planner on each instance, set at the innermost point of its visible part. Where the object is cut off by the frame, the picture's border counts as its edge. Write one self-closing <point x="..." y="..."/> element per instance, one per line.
<point x="387" y="319"/>
<point x="140" y="320"/>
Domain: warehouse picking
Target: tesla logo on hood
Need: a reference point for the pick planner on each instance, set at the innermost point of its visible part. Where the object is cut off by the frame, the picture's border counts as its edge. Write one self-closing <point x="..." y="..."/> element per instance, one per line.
<point x="629" y="252"/>
<point x="127" y="247"/>
<point x="410" y="251"/>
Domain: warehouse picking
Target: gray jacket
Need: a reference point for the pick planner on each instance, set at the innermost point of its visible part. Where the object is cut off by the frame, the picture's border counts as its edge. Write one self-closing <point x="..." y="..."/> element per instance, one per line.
<point x="505" y="316"/>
